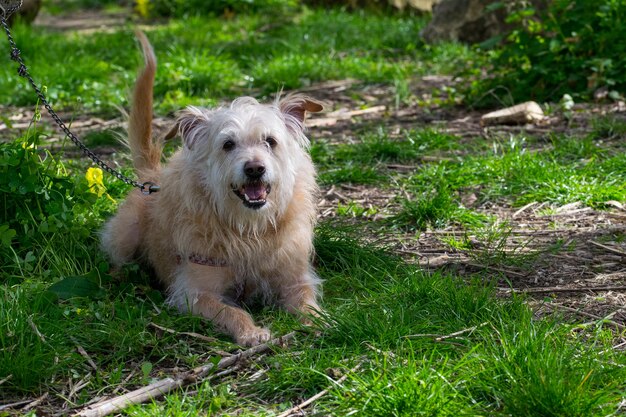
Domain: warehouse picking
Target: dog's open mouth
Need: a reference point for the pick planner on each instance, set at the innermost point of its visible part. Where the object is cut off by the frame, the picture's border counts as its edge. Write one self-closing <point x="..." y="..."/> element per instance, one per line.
<point x="253" y="194"/>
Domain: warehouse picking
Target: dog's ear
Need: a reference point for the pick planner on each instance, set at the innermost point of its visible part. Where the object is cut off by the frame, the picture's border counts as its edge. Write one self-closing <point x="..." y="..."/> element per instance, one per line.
<point x="172" y="133"/>
<point x="294" y="108"/>
<point x="186" y="126"/>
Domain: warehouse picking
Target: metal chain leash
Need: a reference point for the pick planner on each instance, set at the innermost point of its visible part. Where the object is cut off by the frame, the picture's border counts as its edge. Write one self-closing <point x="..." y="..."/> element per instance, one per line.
<point x="146" y="187"/>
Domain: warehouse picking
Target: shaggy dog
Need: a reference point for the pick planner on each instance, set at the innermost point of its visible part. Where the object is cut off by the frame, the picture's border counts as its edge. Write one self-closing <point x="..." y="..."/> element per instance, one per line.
<point x="235" y="213"/>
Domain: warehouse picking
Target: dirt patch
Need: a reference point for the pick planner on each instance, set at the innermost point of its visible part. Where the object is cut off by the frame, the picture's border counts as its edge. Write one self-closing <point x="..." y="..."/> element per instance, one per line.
<point x="571" y="258"/>
<point x="84" y="21"/>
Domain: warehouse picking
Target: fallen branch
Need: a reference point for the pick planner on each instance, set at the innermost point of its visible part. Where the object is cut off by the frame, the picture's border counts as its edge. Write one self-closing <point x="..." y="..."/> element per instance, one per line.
<point x="299" y="407"/>
<point x="561" y="289"/>
<point x="169" y="384"/>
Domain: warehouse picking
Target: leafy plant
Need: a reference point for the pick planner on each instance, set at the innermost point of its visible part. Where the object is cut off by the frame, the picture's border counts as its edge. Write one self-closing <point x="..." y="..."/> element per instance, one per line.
<point x="41" y="205"/>
<point x="575" y="47"/>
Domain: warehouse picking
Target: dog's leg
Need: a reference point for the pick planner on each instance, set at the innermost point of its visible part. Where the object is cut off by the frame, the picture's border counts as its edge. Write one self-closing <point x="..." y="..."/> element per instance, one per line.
<point x="233" y="320"/>
<point x="200" y="289"/>
<point x="121" y="235"/>
<point x="299" y="296"/>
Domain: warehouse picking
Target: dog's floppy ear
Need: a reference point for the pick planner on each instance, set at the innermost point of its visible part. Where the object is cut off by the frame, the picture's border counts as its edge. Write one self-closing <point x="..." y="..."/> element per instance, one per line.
<point x="294" y="108"/>
<point x="172" y="133"/>
<point x="186" y="126"/>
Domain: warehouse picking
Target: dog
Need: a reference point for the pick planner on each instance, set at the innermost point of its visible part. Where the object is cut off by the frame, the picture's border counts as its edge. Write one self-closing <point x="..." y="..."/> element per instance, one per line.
<point x="234" y="217"/>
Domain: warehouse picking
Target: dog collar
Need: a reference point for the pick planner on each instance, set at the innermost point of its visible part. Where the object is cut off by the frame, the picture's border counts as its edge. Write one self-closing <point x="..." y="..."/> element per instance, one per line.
<point x="202" y="260"/>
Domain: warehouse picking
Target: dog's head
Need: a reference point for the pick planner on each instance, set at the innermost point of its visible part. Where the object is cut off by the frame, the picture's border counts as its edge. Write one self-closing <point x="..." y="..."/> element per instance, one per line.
<point x="248" y="155"/>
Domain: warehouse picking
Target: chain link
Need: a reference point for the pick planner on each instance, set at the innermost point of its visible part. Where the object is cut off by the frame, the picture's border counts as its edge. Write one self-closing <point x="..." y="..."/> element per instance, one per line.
<point x="146" y="187"/>
<point x="6" y="10"/>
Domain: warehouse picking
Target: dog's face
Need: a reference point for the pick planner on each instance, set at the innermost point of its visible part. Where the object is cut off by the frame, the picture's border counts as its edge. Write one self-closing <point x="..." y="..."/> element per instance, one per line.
<point x="247" y="156"/>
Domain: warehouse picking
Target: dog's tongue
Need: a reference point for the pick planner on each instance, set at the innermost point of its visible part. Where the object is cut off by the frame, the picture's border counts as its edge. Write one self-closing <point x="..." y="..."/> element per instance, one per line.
<point x="255" y="191"/>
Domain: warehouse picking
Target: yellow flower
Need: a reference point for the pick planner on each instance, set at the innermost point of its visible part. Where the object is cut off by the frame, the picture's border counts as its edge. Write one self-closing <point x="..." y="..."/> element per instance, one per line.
<point x="94" y="179"/>
<point x="142" y="7"/>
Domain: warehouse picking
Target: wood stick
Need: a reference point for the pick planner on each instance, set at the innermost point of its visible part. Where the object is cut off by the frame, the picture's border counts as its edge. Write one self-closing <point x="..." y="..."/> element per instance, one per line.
<point x="84" y="354"/>
<point x="169" y="384"/>
<point x="35" y="403"/>
<point x="493" y="268"/>
<point x="608" y="248"/>
<point x="562" y="289"/>
<point x="191" y="334"/>
<point x="440" y="338"/>
<point x="527" y="206"/>
<point x="3" y="380"/>
<point x="36" y="330"/>
<point x="320" y="394"/>
<point x="590" y="315"/>
<point x="13" y="405"/>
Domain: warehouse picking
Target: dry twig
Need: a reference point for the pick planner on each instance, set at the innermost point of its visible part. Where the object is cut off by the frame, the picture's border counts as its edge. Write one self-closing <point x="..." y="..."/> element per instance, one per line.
<point x="590" y="315"/>
<point x="440" y="338"/>
<point x="493" y="268"/>
<point x="608" y="248"/>
<point x="561" y="289"/>
<point x="527" y="206"/>
<point x="13" y="405"/>
<point x="33" y="326"/>
<point x="35" y="403"/>
<point x="190" y="334"/>
<point x="169" y="384"/>
<point x="85" y="355"/>
<point x="320" y="394"/>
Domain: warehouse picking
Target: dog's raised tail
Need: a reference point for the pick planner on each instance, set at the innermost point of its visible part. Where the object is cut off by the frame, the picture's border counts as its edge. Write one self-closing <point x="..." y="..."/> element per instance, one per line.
<point x="145" y="152"/>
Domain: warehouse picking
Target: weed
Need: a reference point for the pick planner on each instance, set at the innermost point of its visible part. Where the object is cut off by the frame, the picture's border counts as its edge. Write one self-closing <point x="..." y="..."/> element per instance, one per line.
<point x="353" y="209"/>
<point x="548" y="55"/>
<point x="546" y="372"/>
<point x="42" y="206"/>
<point x="437" y="209"/>
<point x="608" y="127"/>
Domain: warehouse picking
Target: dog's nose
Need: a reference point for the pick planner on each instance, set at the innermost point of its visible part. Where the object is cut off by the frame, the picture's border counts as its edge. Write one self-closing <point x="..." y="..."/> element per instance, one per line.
<point x="254" y="169"/>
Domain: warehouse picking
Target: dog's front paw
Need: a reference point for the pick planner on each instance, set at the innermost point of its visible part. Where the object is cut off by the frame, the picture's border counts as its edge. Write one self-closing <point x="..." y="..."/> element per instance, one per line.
<point x="253" y="337"/>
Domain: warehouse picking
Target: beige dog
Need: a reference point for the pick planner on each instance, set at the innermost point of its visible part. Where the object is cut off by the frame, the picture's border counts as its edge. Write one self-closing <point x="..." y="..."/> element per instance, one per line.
<point x="235" y="213"/>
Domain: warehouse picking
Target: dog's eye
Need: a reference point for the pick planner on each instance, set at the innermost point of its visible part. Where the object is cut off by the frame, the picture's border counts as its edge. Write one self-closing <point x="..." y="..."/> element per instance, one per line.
<point x="229" y="145"/>
<point x="271" y="141"/>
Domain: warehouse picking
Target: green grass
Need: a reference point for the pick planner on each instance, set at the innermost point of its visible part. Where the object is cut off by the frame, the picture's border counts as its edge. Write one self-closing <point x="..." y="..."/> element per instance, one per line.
<point x="381" y="313"/>
<point x="437" y="210"/>
<point x="570" y="170"/>
<point x="205" y="60"/>
<point x="426" y="343"/>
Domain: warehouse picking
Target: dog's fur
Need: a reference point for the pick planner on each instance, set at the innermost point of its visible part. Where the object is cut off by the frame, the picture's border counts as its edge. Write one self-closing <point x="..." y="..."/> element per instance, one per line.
<point x="235" y="213"/>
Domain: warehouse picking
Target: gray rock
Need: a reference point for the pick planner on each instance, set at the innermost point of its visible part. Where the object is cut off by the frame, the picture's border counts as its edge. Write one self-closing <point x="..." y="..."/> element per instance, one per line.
<point x="469" y="20"/>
